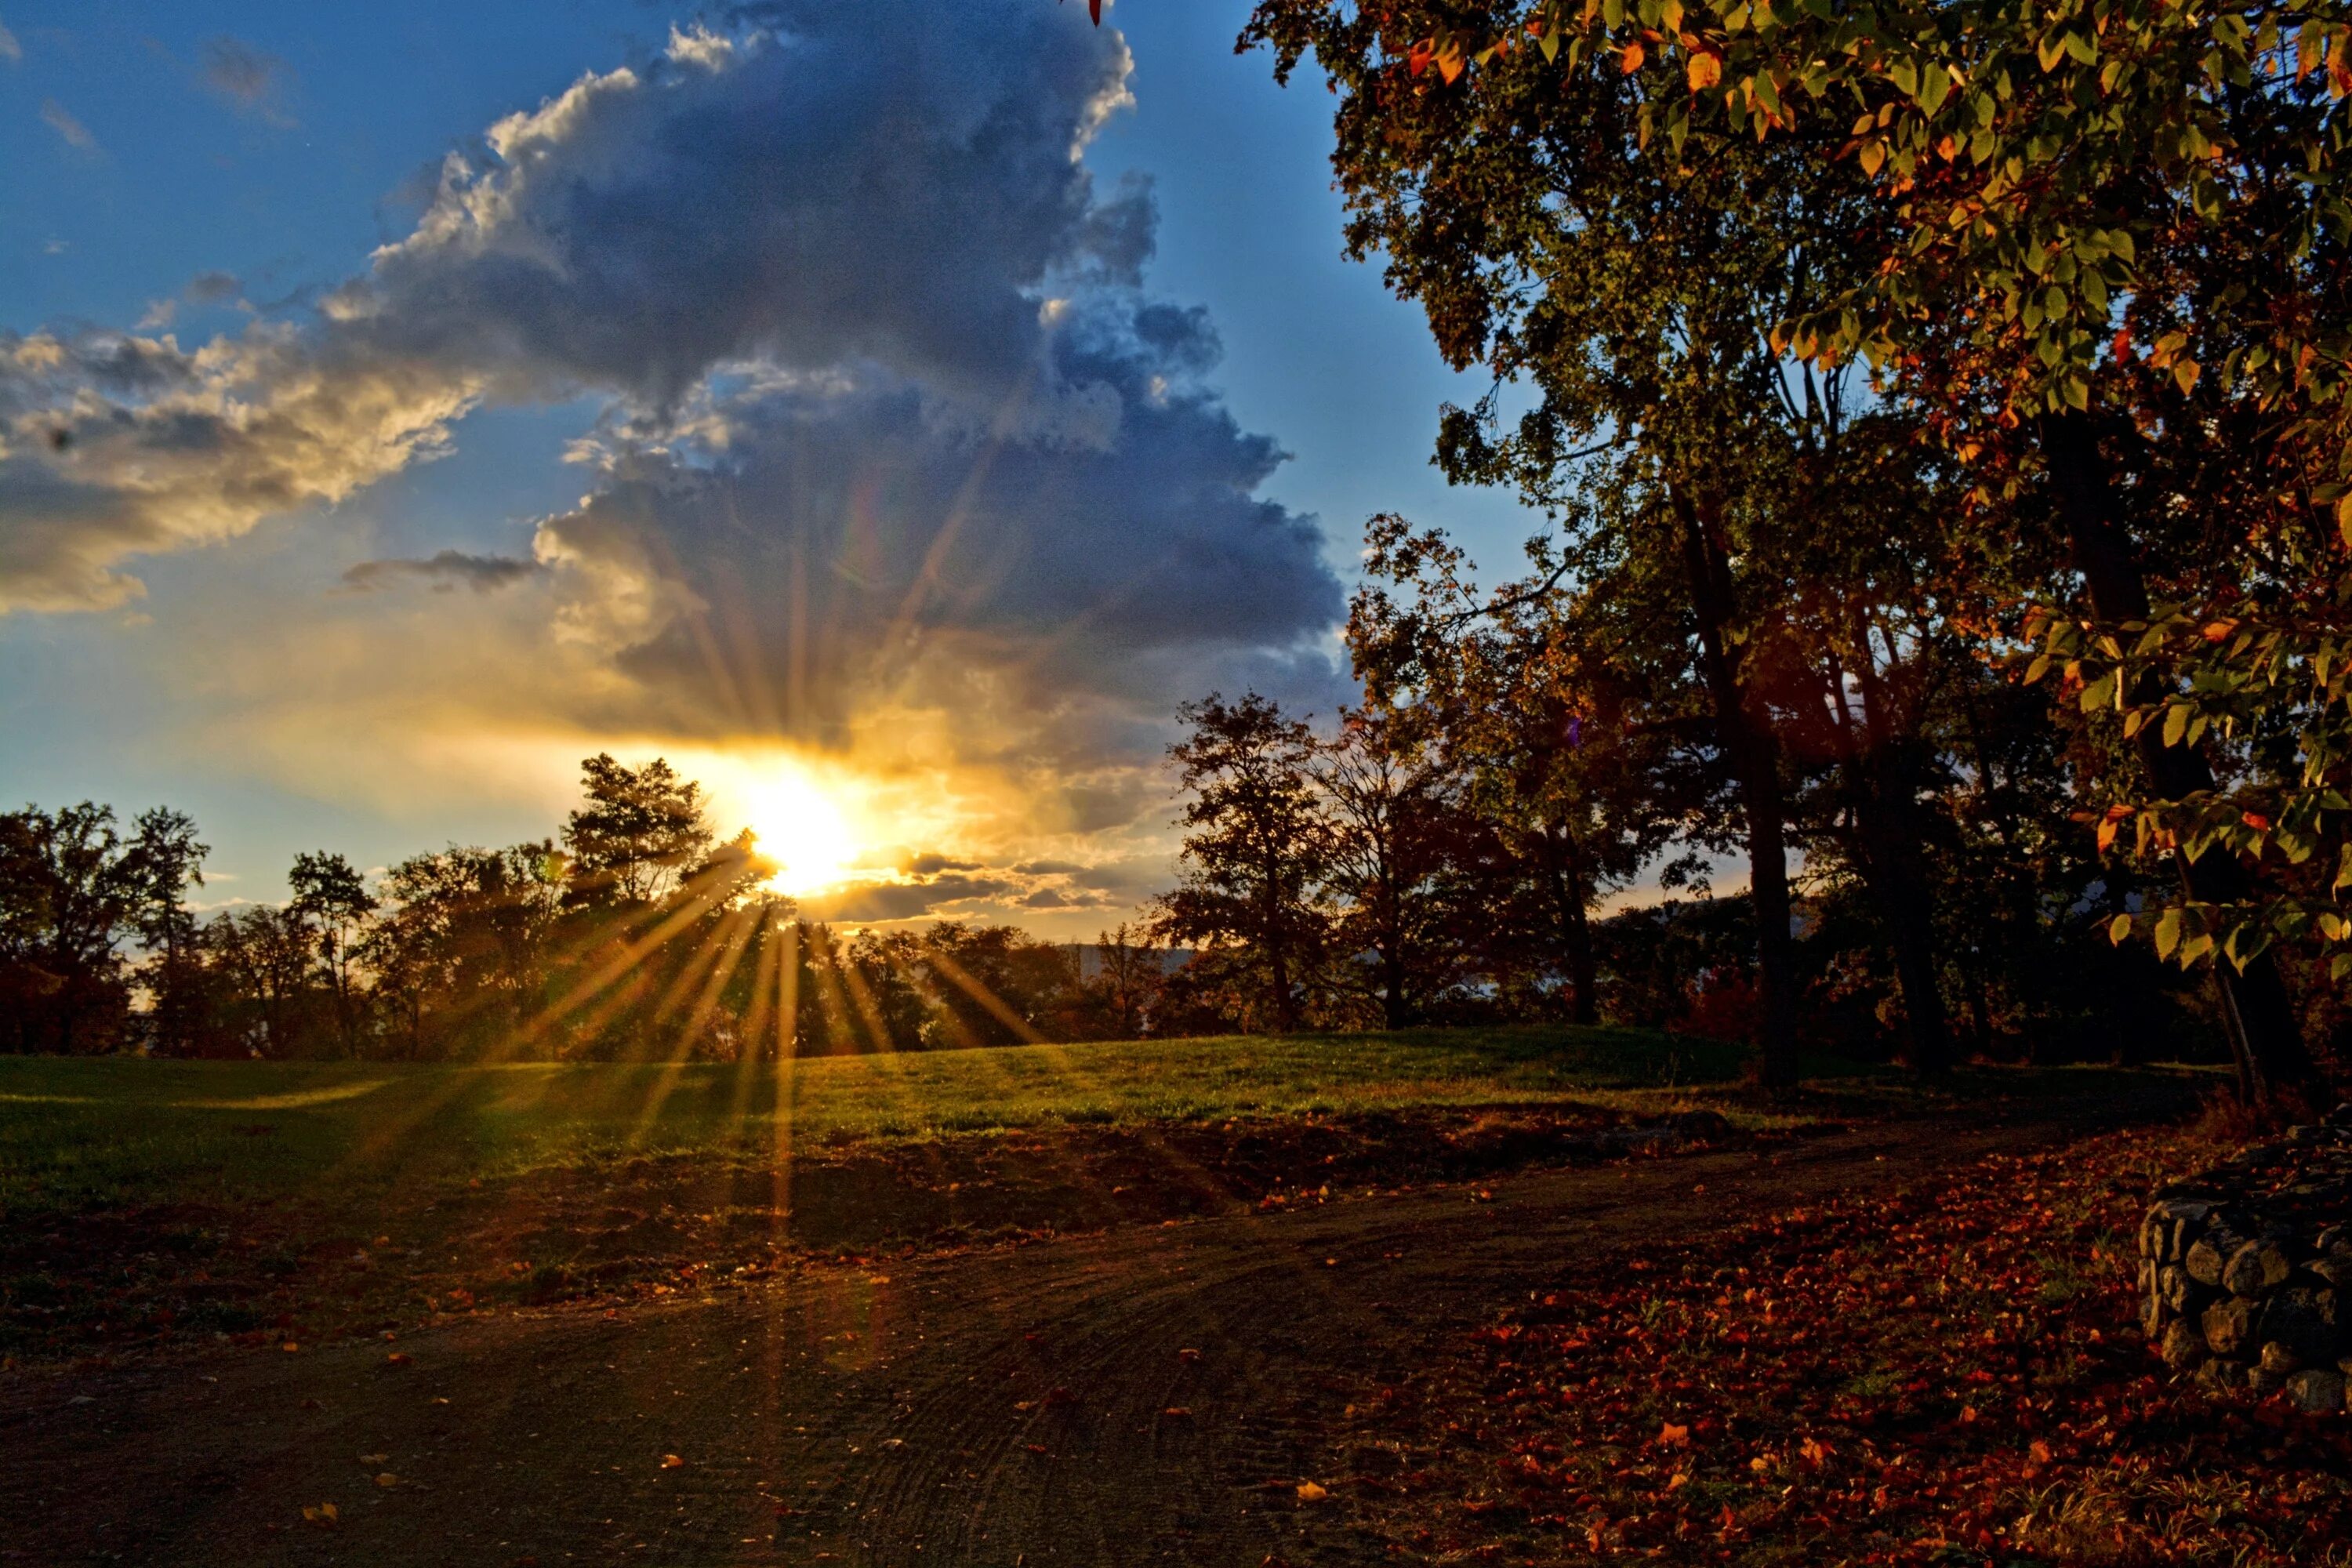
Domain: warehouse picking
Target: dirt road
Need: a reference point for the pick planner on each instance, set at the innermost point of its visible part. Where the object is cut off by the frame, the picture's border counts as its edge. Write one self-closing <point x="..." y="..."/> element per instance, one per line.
<point x="1146" y="1395"/>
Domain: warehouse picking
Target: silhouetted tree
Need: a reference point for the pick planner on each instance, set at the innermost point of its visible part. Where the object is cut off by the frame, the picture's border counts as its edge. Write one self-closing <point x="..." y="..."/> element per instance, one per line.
<point x="331" y="897"/>
<point x="1257" y="844"/>
<point x="639" y="833"/>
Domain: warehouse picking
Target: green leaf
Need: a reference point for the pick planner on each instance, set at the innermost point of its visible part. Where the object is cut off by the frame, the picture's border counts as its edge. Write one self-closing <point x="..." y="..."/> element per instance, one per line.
<point x="2168" y="932"/>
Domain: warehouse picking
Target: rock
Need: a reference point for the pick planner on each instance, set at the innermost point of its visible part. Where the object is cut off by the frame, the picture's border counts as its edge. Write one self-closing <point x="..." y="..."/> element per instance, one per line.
<point x="2183" y="1346"/>
<point x="2228" y="1325"/>
<point x="2173" y="1222"/>
<point x="2177" y="1290"/>
<point x="2256" y="1267"/>
<point x="2209" y="1257"/>
<point x="2277" y="1358"/>
<point x="2262" y="1382"/>
<point x="2222" y="1372"/>
<point x="2147" y="1277"/>
<point x="2303" y="1321"/>
<point x="2316" y="1390"/>
<point x="2151" y="1314"/>
<point x="2335" y="1272"/>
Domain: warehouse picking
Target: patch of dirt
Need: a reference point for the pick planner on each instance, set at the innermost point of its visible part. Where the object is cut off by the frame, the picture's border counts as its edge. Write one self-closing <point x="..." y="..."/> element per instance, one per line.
<point x="1143" y="1394"/>
<point x="111" y="1281"/>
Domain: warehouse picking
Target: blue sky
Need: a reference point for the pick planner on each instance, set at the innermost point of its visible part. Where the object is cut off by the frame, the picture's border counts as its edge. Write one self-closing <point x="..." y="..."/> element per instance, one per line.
<point x="270" y="149"/>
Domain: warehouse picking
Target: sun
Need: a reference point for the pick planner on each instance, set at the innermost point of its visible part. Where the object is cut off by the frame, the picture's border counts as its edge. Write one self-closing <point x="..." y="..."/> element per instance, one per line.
<point x="800" y="827"/>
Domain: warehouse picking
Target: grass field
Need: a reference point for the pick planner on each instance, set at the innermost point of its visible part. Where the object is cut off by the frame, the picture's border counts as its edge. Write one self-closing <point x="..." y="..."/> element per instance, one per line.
<point x="143" y="1201"/>
<point x="82" y="1133"/>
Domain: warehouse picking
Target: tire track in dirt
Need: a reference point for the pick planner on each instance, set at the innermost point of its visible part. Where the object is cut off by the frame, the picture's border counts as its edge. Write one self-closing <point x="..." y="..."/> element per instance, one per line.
<point x="836" y="1416"/>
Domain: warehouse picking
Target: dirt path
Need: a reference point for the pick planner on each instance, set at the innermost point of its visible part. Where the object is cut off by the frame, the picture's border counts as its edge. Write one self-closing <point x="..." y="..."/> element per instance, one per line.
<point x="1146" y="1396"/>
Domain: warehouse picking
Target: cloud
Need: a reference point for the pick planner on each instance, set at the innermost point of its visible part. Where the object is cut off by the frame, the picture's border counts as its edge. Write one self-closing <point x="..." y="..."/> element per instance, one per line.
<point x="445" y="570"/>
<point x="10" y="49"/>
<point x="76" y="134"/>
<point x="896" y="459"/>
<point x="880" y="902"/>
<point x="251" y="79"/>
<point x="931" y="864"/>
<point x="113" y="444"/>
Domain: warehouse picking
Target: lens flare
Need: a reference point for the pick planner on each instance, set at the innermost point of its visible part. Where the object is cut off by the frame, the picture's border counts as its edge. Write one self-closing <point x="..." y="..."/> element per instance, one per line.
<point x="801" y="828"/>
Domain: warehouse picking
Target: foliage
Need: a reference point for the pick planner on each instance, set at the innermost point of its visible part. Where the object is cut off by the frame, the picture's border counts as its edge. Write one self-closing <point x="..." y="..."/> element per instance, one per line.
<point x="639" y="832"/>
<point x="1938" y="1375"/>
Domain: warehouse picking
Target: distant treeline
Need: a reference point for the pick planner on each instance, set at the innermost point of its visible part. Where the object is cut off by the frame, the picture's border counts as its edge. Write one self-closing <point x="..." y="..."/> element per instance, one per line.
<point x="633" y="933"/>
<point x="1365" y="878"/>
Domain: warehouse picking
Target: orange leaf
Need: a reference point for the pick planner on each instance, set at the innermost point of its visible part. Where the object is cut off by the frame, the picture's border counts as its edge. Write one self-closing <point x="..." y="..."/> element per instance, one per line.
<point x="2255" y="820"/>
<point x="1633" y="57"/>
<point x="672" y="1462"/>
<point x="1309" y="1492"/>
<point x="1673" y="1436"/>
<point x="1705" y="70"/>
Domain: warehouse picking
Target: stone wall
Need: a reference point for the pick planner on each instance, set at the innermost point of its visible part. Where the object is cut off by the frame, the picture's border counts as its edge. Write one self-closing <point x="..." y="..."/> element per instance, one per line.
<point x="2245" y="1270"/>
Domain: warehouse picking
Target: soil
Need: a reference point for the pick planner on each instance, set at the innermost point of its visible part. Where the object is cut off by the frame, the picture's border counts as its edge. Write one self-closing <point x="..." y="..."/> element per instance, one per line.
<point x="140" y="1279"/>
<point x="1152" y="1392"/>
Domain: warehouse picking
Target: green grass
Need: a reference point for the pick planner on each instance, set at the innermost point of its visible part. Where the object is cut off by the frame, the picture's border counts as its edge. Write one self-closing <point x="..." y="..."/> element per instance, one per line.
<point x="76" y="1133"/>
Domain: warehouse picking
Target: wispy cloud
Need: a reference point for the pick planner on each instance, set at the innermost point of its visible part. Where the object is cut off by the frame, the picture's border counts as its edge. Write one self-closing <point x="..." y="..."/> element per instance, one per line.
<point x="77" y="135"/>
<point x="446" y="571"/>
<point x="10" y="49"/>
<point x="251" y="81"/>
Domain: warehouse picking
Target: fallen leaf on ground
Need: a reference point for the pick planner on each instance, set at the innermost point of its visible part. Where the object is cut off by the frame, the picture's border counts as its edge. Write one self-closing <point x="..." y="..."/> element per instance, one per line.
<point x="672" y="1462"/>
<point x="1310" y="1492"/>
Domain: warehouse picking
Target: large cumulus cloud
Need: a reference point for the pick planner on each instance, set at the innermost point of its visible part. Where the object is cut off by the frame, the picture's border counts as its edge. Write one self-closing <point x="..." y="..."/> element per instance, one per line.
<point x="889" y="415"/>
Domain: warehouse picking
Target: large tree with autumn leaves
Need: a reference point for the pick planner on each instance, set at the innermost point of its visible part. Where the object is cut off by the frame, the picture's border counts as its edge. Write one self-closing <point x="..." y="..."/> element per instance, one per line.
<point x="2090" y="255"/>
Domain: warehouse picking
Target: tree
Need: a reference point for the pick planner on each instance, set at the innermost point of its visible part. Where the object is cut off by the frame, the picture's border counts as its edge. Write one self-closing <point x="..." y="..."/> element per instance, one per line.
<point x="1394" y="863"/>
<point x="1561" y="705"/>
<point x="1127" y="980"/>
<point x="2064" y="216"/>
<point x="264" y="960"/>
<point x="639" y="833"/>
<point x="461" y="953"/>
<point x="330" y="899"/>
<point x="169" y="861"/>
<point x="70" y="890"/>
<point x="1257" y="844"/>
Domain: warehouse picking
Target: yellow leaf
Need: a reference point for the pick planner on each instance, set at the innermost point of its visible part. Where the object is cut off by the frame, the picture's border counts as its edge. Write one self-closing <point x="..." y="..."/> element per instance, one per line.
<point x="1705" y="70"/>
<point x="1309" y="1492"/>
<point x="2185" y="372"/>
<point x="387" y="1479"/>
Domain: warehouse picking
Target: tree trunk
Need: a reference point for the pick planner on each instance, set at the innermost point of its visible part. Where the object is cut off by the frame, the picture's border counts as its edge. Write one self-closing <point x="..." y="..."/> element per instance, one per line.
<point x="1564" y="874"/>
<point x="2264" y="1040"/>
<point x="1890" y="818"/>
<point x="1756" y="767"/>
